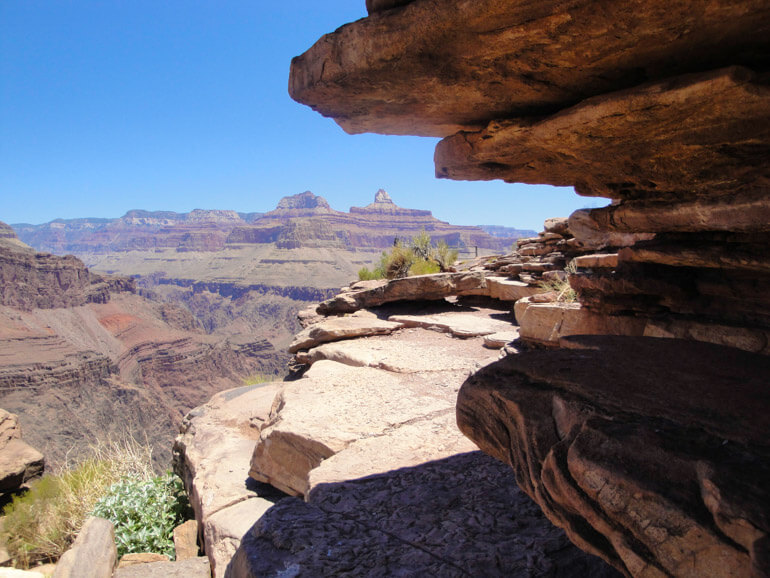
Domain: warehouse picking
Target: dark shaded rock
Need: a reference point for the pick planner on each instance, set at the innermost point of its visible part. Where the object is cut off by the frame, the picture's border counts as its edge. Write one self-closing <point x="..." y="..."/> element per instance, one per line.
<point x="454" y="517"/>
<point x="716" y="128"/>
<point x="625" y="454"/>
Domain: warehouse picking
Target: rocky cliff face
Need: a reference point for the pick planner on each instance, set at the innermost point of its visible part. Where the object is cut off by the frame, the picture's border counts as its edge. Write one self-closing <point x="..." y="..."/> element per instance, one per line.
<point x="665" y="109"/>
<point x="31" y="280"/>
<point x="307" y="220"/>
<point x="83" y="357"/>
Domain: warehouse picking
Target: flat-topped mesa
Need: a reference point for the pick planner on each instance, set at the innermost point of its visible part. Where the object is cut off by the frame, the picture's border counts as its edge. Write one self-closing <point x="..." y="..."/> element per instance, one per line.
<point x="302" y="204"/>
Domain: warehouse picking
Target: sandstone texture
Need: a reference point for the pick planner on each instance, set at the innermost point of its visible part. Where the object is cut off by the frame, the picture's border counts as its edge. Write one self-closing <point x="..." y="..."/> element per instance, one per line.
<point x="93" y="553"/>
<point x="458" y="516"/>
<point x="647" y="492"/>
<point x="190" y="568"/>
<point x="19" y="462"/>
<point x="212" y="455"/>
<point x="627" y="443"/>
<point x="368" y="437"/>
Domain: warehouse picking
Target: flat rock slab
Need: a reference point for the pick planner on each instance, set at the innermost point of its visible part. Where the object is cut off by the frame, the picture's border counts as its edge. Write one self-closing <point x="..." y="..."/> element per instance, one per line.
<point x="418" y="287"/>
<point x="190" y="568"/>
<point x="716" y="124"/>
<point x="409" y="351"/>
<point x="431" y="438"/>
<point x="459" y="516"/>
<point x="212" y="455"/>
<point x="337" y="328"/>
<point x="335" y="405"/>
<point x="461" y="324"/>
<point x="676" y="486"/>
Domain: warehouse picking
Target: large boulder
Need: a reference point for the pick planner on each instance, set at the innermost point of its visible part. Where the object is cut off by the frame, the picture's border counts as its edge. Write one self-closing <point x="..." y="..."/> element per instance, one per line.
<point x="19" y="462"/>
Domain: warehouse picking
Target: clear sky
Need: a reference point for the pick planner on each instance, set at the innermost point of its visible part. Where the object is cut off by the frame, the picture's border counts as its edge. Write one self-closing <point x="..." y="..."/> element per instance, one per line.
<point x="107" y="106"/>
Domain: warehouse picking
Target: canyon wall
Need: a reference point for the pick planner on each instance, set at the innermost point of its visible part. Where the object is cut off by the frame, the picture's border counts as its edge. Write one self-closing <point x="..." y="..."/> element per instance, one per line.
<point x="83" y="358"/>
<point x="638" y="444"/>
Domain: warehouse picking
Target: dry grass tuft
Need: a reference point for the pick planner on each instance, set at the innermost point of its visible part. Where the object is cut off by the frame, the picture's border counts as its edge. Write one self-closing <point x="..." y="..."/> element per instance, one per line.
<point x="40" y="525"/>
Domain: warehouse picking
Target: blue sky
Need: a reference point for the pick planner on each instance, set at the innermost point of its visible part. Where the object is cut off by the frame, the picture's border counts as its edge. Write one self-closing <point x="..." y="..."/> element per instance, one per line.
<point x="107" y="106"/>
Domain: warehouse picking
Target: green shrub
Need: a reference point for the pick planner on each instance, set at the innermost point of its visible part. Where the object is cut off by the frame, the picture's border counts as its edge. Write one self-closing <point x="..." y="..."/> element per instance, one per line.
<point x="422" y="267"/>
<point x="444" y="256"/>
<point x="420" y="257"/>
<point x="145" y="513"/>
<point x="365" y="275"/>
<point x="257" y="378"/>
<point x="40" y="525"/>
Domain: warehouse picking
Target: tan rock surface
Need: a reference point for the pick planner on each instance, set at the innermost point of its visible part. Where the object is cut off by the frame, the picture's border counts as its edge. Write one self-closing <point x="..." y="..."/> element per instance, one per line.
<point x="428" y="287"/>
<point x="434" y="68"/>
<point x="588" y="146"/>
<point x="212" y="454"/>
<point x="186" y="540"/>
<point x="19" y="462"/>
<point x="335" y="329"/>
<point x="547" y="323"/>
<point x="92" y="554"/>
<point x="190" y="568"/>
<point x="460" y="324"/>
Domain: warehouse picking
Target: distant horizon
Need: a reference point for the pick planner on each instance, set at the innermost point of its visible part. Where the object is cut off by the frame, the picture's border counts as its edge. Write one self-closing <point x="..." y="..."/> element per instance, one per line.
<point x="106" y="107"/>
<point x="245" y="212"/>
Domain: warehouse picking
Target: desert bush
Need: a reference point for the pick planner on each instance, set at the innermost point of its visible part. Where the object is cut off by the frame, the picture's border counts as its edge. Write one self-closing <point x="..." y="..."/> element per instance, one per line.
<point x="40" y="525"/>
<point x="444" y="256"/>
<point x="145" y="513"/>
<point x="420" y="257"/>
<point x="423" y="267"/>
<point x="564" y="290"/>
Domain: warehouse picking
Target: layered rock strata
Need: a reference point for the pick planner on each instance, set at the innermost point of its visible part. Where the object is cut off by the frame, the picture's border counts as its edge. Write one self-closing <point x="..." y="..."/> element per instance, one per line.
<point x="77" y="369"/>
<point x="660" y="468"/>
<point x="664" y="108"/>
<point x="31" y="280"/>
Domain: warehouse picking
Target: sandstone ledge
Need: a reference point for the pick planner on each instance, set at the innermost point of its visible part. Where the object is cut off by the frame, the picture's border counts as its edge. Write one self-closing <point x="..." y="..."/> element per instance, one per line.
<point x="435" y="67"/>
<point x="657" y="492"/>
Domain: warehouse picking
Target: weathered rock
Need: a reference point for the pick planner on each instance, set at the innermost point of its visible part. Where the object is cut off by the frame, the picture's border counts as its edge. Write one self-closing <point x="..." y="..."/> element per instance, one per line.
<point x="597" y="260"/>
<point x="93" y="553"/>
<point x="141" y="558"/>
<point x="409" y="351"/>
<point x="335" y="329"/>
<point x="428" y="287"/>
<point x="458" y="516"/>
<point x="464" y="324"/>
<point x="499" y="340"/>
<point x="306" y="429"/>
<point x="588" y="146"/>
<point x="435" y="68"/>
<point x="190" y="568"/>
<point x="223" y="530"/>
<point x="19" y="462"/>
<point x="547" y="323"/>
<point x="633" y="491"/>
<point x="212" y="454"/>
<point x="186" y="540"/>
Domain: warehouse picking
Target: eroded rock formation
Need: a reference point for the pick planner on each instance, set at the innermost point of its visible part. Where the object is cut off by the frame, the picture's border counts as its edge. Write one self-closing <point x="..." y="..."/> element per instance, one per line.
<point x="664" y="108"/>
<point x="368" y="437"/>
